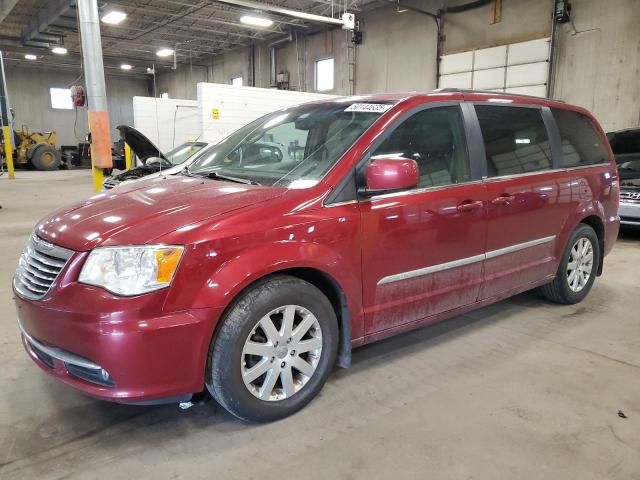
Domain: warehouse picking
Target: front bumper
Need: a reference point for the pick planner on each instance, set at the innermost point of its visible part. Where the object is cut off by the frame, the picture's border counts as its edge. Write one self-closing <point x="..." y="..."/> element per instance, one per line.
<point x="629" y="213"/>
<point x="118" y="351"/>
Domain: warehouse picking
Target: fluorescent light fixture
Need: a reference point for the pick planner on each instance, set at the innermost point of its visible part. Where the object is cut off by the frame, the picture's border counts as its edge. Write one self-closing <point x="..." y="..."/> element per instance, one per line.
<point x="256" y="21"/>
<point x="114" y="17"/>
<point x="126" y="66"/>
<point x="30" y="56"/>
<point x="523" y="141"/>
<point x="59" y="50"/>
<point x="164" y="52"/>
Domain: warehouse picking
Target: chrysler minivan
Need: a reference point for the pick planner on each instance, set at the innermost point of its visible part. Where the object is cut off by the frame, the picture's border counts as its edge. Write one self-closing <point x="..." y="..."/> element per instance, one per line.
<point x="251" y="276"/>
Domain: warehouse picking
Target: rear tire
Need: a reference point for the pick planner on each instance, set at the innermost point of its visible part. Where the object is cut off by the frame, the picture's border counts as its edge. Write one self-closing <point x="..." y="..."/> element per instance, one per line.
<point x="577" y="270"/>
<point x="46" y="157"/>
<point x="283" y="331"/>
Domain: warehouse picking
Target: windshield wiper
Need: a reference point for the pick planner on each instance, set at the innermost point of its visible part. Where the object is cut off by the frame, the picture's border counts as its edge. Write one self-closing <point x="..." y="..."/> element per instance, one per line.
<point x="218" y="176"/>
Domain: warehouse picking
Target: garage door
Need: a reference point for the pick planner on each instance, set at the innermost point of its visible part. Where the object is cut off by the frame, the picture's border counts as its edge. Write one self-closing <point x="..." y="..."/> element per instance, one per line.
<point x="514" y="68"/>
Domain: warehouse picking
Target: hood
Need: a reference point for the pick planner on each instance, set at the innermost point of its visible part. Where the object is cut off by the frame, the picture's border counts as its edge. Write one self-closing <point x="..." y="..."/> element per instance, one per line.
<point x="141" y="146"/>
<point x="142" y="212"/>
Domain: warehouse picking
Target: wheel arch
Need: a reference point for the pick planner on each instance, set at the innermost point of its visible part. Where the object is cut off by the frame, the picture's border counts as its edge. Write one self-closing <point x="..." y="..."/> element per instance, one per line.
<point x="322" y="280"/>
<point x="595" y="222"/>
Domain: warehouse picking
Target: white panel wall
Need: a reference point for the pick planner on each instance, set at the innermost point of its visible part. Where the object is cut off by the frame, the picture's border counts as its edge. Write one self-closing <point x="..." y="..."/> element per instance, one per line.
<point x="516" y="68"/>
<point x="456" y="80"/>
<point x="490" y="57"/>
<point x="488" y="79"/>
<point x="457" y="62"/>
<point x="166" y="122"/>
<point x="237" y="106"/>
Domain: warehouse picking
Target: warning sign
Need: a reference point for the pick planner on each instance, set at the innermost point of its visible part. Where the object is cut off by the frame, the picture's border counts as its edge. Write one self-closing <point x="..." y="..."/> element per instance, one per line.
<point x="215" y="113"/>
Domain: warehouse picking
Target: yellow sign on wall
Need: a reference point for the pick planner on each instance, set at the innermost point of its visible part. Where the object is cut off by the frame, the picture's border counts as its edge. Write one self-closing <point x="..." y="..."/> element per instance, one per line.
<point x="215" y="113"/>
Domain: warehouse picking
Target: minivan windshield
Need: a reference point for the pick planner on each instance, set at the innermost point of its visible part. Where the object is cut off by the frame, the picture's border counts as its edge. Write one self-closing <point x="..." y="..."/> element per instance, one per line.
<point x="291" y="148"/>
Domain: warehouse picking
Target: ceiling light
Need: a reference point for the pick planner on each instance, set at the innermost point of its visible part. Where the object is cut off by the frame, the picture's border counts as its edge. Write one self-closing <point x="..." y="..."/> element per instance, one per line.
<point x="30" y="56"/>
<point x="256" y="21"/>
<point x="126" y="66"/>
<point x="114" y="17"/>
<point x="59" y="50"/>
<point x="164" y="52"/>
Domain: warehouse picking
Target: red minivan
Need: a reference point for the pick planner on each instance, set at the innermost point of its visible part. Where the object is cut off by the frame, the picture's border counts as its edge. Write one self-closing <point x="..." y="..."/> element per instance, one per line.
<point x="257" y="269"/>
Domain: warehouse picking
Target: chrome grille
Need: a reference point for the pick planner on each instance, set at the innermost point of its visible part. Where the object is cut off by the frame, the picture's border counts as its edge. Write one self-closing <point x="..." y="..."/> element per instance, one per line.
<point x="38" y="267"/>
<point x="631" y="197"/>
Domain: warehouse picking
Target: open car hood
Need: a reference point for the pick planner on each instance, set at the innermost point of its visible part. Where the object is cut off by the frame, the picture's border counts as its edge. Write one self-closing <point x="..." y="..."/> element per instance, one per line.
<point x="141" y="146"/>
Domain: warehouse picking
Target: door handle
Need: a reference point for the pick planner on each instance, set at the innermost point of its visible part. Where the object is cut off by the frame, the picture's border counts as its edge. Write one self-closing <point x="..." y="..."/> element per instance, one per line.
<point x="469" y="206"/>
<point x="502" y="200"/>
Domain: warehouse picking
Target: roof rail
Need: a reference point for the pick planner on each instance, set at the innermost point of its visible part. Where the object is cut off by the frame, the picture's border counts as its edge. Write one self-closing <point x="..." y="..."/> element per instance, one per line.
<point x="471" y="90"/>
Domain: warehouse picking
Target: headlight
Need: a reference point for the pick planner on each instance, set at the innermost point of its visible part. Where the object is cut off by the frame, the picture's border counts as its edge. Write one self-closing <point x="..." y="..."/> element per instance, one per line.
<point x="131" y="270"/>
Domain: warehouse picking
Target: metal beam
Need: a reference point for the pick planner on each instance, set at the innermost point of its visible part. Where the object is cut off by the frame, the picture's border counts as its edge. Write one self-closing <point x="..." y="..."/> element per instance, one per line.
<point x="5" y="8"/>
<point x="283" y="11"/>
<point x="41" y="21"/>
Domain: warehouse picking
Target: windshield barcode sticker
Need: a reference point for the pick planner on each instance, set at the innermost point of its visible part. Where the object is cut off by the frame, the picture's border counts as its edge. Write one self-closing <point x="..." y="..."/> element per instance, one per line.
<point x="369" y="107"/>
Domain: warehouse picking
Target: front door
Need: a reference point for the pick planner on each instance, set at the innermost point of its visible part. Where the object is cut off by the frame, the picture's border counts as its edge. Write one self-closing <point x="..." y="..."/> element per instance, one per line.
<point x="423" y="249"/>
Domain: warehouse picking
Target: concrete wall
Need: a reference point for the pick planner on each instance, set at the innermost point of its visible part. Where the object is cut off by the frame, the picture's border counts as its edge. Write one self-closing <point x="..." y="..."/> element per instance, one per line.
<point x="29" y="95"/>
<point x="182" y="82"/>
<point x="520" y="20"/>
<point x="599" y="67"/>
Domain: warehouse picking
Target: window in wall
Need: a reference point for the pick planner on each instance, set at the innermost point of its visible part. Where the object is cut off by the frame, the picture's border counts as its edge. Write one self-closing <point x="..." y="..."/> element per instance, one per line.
<point x="236" y="81"/>
<point x="324" y="75"/>
<point x="61" y="98"/>
<point x="581" y="144"/>
<point x="434" y="138"/>
<point x="515" y="140"/>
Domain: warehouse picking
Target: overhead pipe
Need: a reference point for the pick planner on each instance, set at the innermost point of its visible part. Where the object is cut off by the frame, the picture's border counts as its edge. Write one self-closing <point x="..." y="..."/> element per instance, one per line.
<point x="272" y="55"/>
<point x="283" y="11"/>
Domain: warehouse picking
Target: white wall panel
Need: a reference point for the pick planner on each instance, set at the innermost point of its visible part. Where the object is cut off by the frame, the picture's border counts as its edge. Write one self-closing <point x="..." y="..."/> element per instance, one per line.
<point x="527" y="74"/>
<point x="236" y="106"/>
<point x="484" y="69"/>
<point x="456" y="80"/>
<point x="488" y="79"/>
<point x="529" y="52"/>
<point x="535" y="90"/>
<point x="166" y="122"/>
<point x="456" y="63"/>
<point x="490" y="57"/>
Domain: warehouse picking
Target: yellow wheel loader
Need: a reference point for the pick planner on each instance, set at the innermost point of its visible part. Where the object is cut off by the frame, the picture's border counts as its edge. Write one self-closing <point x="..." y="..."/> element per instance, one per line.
<point x="35" y="149"/>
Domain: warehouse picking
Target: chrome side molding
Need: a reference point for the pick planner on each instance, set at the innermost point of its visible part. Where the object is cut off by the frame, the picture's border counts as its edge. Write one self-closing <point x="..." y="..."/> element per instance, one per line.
<point x="464" y="261"/>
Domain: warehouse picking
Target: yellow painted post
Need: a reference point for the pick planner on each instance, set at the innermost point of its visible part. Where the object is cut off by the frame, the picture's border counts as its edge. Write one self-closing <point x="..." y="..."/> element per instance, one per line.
<point x="127" y="156"/>
<point x="8" y="150"/>
<point x="98" y="179"/>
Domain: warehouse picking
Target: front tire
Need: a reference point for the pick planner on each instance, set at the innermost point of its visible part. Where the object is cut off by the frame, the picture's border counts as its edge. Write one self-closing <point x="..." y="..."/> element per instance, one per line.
<point x="577" y="270"/>
<point x="274" y="350"/>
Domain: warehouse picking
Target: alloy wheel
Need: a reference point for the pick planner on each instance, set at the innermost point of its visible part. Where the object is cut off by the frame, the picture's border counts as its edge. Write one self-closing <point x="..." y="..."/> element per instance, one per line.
<point x="281" y="353"/>
<point x="580" y="264"/>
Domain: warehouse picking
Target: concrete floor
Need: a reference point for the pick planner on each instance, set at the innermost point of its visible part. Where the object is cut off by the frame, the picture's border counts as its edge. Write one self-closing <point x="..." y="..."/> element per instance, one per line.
<point x="521" y="389"/>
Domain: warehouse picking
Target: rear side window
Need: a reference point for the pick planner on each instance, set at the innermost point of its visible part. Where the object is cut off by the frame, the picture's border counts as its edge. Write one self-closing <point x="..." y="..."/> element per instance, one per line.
<point x="515" y="140"/>
<point x="581" y="144"/>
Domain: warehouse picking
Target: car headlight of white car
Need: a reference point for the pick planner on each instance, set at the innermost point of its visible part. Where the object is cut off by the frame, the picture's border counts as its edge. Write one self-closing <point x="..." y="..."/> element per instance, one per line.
<point x="132" y="270"/>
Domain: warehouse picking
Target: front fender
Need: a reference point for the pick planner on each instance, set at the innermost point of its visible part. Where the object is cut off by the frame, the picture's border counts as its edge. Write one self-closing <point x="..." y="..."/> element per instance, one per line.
<point x="231" y="277"/>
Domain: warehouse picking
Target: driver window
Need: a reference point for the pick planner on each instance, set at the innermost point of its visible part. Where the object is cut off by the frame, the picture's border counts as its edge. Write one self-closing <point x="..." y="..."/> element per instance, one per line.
<point x="434" y="138"/>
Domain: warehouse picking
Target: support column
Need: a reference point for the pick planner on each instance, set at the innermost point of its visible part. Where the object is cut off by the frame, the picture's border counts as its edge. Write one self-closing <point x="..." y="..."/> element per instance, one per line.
<point x="96" y="91"/>
<point x="5" y="115"/>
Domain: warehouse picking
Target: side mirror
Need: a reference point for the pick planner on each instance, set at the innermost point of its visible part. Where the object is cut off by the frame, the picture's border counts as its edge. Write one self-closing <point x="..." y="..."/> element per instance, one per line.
<point x="388" y="174"/>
